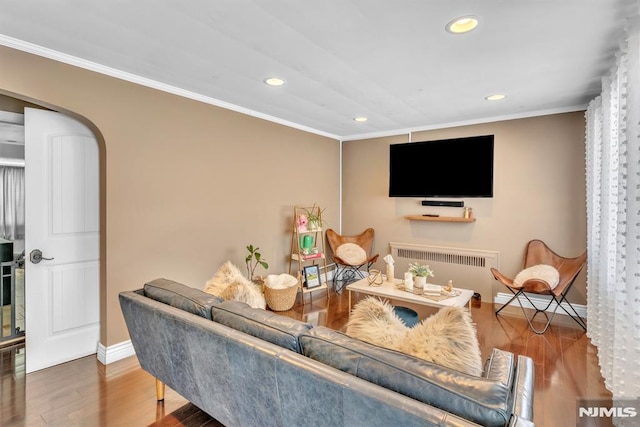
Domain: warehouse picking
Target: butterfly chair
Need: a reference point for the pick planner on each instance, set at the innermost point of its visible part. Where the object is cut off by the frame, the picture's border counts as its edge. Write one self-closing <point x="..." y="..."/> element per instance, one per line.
<point x="539" y="255"/>
<point x="350" y="254"/>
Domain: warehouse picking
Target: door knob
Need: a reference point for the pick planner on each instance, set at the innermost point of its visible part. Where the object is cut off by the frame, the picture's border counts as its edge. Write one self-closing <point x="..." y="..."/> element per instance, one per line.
<point x="35" y="256"/>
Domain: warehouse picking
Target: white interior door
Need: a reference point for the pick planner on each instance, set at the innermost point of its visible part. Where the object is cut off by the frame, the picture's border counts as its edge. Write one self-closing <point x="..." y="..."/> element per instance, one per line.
<point x="62" y="221"/>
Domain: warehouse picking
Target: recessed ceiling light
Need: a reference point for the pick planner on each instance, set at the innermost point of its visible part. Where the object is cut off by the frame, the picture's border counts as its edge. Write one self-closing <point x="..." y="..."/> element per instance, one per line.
<point x="462" y="24"/>
<point x="360" y="119"/>
<point x="495" y="97"/>
<point x="273" y="81"/>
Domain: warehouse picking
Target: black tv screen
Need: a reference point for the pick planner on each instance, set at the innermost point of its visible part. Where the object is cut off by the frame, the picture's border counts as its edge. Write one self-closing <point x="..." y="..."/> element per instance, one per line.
<point x="460" y="167"/>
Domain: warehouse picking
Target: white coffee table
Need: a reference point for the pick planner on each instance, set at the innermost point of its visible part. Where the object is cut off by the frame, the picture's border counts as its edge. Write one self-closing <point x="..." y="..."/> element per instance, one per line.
<point x="390" y="291"/>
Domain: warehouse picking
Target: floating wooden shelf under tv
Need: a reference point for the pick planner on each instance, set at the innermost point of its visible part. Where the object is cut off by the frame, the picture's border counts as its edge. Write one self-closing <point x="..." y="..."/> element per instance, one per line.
<point x="439" y="218"/>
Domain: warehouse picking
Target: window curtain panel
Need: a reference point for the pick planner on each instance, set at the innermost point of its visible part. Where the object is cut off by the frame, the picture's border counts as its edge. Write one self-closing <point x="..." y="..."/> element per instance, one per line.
<point x="12" y="199"/>
<point x="613" y="220"/>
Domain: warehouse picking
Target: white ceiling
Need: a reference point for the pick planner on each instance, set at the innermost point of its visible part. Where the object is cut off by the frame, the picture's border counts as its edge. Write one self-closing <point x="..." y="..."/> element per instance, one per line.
<point x="391" y="61"/>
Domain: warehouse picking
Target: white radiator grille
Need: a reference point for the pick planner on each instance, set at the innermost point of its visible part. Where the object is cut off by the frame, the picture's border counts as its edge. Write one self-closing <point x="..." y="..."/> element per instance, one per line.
<point x="468" y="268"/>
<point x="449" y="258"/>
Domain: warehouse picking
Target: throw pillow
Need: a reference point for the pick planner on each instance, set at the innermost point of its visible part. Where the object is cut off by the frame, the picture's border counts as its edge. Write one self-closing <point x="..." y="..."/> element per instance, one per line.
<point x="351" y="253"/>
<point x="448" y="338"/>
<point x="230" y="284"/>
<point x="374" y="321"/>
<point x="543" y="272"/>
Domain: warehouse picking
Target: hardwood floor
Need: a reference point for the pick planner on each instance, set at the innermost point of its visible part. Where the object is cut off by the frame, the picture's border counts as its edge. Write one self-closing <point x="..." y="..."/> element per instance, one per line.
<point x="83" y="392"/>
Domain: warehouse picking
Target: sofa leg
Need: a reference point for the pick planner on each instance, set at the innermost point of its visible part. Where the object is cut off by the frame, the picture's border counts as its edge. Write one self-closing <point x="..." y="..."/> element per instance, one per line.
<point x="159" y="390"/>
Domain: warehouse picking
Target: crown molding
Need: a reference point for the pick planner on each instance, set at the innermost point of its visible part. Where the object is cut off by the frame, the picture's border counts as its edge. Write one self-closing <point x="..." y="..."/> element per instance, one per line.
<point x="112" y="72"/>
<point x="407" y="131"/>
<point x="122" y="75"/>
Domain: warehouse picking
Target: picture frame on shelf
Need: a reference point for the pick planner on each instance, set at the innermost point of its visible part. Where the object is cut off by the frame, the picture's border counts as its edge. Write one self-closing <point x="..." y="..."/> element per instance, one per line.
<point x="311" y="276"/>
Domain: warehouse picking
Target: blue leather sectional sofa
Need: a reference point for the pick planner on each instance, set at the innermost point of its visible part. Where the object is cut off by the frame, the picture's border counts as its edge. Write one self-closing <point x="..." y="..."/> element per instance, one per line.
<point x="251" y="367"/>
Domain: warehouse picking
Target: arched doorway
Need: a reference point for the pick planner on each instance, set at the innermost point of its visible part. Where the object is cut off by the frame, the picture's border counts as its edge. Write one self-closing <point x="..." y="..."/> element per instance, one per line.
<point x="80" y="308"/>
<point x="62" y="244"/>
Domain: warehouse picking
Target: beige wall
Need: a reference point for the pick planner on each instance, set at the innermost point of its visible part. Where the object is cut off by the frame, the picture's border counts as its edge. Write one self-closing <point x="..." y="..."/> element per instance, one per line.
<point x="539" y="192"/>
<point x="185" y="185"/>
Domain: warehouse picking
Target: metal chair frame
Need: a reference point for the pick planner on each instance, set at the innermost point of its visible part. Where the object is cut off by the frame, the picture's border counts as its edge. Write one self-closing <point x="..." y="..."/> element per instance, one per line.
<point x="345" y="272"/>
<point x="538" y="252"/>
<point x="348" y="273"/>
<point x="575" y="316"/>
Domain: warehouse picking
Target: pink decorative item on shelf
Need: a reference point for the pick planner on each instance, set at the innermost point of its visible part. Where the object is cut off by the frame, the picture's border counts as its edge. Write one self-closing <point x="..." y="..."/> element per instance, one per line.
<point x="302" y="223"/>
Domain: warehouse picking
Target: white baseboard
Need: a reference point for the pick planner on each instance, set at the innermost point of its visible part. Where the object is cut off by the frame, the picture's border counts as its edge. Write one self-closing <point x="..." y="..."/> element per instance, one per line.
<point x="502" y="298"/>
<point x="115" y="352"/>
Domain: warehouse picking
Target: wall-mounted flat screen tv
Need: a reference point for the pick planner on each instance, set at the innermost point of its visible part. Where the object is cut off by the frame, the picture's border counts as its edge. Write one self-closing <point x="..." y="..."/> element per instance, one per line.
<point x="460" y="167"/>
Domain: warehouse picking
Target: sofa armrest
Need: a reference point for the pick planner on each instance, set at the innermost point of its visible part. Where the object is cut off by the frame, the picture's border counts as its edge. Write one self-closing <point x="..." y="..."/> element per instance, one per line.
<point x="517" y="373"/>
<point x="516" y="421"/>
<point x="500" y="366"/>
<point x="522" y="391"/>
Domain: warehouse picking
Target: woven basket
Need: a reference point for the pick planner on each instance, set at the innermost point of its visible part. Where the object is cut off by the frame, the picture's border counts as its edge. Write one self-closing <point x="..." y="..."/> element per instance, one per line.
<point x="281" y="299"/>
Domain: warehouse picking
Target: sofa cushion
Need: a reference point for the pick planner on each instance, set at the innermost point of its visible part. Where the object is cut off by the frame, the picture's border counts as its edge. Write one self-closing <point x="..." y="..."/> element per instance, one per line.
<point x="181" y="296"/>
<point x="280" y="330"/>
<point x="484" y="401"/>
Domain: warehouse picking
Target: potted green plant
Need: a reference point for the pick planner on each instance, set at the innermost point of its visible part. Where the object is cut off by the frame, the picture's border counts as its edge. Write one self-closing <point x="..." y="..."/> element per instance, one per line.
<point x="253" y="259"/>
<point x="314" y="217"/>
<point x="420" y="273"/>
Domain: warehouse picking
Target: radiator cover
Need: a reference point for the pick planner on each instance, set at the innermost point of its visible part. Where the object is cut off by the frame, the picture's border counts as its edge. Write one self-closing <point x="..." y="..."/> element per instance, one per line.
<point x="468" y="268"/>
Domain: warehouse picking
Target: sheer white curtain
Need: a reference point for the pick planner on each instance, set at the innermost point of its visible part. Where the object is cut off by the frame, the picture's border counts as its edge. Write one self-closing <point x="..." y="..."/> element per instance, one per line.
<point x="613" y="220"/>
<point x="11" y="202"/>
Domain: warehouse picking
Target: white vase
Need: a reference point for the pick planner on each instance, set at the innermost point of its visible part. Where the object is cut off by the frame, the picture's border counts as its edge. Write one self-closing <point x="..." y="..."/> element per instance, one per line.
<point x="390" y="273"/>
<point x="420" y="281"/>
<point x="408" y="281"/>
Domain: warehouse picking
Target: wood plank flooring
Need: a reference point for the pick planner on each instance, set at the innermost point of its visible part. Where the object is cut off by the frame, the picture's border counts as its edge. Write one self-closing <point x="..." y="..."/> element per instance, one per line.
<point x="86" y="393"/>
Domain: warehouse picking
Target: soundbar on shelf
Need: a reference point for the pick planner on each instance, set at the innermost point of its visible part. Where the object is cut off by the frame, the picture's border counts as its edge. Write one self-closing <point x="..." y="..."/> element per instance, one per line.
<point x="449" y="203"/>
